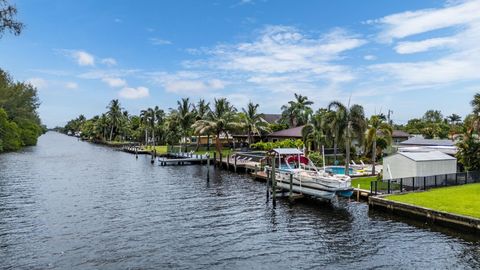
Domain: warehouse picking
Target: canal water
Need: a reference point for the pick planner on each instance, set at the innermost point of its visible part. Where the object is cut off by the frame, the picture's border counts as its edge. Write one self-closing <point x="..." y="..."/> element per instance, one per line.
<point x="67" y="204"/>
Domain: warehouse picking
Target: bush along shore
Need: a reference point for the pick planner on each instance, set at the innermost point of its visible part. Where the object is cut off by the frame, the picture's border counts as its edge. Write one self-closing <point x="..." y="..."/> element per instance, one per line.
<point x="20" y="124"/>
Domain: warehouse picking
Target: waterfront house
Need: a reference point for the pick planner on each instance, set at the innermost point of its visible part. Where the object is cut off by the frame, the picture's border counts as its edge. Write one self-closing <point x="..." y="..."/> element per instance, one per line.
<point x="399" y="136"/>
<point x="418" y="163"/>
<point x="290" y="133"/>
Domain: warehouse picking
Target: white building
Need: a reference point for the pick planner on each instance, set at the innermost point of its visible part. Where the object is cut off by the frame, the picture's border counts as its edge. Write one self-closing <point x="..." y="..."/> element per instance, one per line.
<point x="421" y="163"/>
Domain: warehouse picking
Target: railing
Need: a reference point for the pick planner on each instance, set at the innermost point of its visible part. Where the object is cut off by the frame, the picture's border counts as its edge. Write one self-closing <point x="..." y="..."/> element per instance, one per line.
<point x="407" y="184"/>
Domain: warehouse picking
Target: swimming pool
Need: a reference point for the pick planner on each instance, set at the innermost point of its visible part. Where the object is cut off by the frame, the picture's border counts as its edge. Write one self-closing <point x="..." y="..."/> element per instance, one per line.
<point x="338" y="170"/>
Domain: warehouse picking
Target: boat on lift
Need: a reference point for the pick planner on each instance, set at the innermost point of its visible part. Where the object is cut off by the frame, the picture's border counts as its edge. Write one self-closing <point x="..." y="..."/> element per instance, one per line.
<point x="306" y="177"/>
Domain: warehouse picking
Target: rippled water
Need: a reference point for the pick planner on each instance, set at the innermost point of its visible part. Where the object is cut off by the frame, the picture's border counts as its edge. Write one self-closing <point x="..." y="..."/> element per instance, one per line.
<point x="67" y="204"/>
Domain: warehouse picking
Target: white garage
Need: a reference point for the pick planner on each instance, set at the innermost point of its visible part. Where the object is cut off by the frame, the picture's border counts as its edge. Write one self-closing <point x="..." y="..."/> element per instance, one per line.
<point x="423" y="163"/>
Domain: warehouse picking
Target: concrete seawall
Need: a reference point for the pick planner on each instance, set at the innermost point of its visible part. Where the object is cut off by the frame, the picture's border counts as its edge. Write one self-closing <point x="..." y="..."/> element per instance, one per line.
<point x="455" y="221"/>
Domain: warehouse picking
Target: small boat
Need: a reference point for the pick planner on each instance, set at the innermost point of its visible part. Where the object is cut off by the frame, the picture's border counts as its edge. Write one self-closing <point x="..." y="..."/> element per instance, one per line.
<point x="306" y="177"/>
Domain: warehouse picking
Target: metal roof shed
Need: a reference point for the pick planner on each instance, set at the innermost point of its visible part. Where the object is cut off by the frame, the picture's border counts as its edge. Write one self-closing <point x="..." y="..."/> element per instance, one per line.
<point x="422" y="163"/>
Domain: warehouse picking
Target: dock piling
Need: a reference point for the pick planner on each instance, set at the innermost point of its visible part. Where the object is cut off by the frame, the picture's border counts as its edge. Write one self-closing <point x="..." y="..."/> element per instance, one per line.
<point x="274" y="184"/>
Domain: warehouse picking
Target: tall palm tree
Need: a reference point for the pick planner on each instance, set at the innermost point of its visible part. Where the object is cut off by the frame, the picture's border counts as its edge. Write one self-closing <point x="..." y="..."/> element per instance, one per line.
<point x="201" y="111"/>
<point x="350" y="124"/>
<point x="377" y="127"/>
<point x="115" y="115"/>
<point x="185" y="117"/>
<point x="101" y="126"/>
<point x="221" y="120"/>
<point x="144" y="119"/>
<point x="253" y="121"/>
<point x="297" y="112"/>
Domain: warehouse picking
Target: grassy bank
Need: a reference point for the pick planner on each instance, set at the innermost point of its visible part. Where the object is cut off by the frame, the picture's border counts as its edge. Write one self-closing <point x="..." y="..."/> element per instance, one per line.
<point x="161" y="149"/>
<point x="364" y="182"/>
<point x="463" y="200"/>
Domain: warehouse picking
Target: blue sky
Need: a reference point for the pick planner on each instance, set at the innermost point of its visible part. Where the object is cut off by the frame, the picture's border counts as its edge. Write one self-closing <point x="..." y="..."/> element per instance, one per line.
<point x="406" y="56"/>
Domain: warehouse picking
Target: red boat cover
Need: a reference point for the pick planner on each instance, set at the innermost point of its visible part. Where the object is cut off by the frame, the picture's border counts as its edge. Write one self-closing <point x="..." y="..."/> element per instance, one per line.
<point x="292" y="159"/>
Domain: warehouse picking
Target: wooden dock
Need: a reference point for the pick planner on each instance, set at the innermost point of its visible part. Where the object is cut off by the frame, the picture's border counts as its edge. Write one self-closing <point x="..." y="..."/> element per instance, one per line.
<point x="183" y="159"/>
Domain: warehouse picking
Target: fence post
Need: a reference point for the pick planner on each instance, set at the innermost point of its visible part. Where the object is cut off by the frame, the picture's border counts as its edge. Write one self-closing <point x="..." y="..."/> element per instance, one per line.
<point x="401" y="184"/>
<point x="435" y="181"/>
<point x="446" y="179"/>
<point x="371" y="187"/>
<point x="424" y="183"/>
<point x="466" y="178"/>
<point x="413" y="183"/>
<point x="376" y="187"/>
<point x="456" y="179"/>
<point x="388" y="186"/>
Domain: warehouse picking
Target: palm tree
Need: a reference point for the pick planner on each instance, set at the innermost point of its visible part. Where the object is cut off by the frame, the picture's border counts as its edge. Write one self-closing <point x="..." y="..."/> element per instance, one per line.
<point x="144" y="115"/>
<point x="201" y="111"/>
<point x="221" y="120"/>
<point x="376" y="127"/>
<point x="253" y="121"/>
<point x="115" y="115"/>
<point x="314" y="132"/>
<point x="454" y="119"/>
<point x="101" y="126"/>
<point x="185" y="117"/>
<point x="350" y="124"/>
<point x="297" y="112"/>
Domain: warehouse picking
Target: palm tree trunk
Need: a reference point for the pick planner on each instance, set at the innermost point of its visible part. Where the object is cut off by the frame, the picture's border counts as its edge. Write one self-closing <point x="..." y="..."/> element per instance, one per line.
<point x="347" y="156"/>
<point x="208" y="142"/>
<point x="218" y="144"/>
<point x="198" y="143"/>
<point x="111" y="133"/>
<point x="146" y="136"/>
<point x="374" y="154"/>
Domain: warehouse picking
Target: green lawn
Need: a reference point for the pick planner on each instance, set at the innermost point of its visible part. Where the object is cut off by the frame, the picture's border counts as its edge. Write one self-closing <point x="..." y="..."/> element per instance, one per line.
<point x="463" y="200"/>
<point x="161" y="149"/>
<point x="363" y="181"/>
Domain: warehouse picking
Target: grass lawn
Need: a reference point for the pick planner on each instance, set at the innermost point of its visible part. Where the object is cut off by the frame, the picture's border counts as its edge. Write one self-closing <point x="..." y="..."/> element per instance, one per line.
<point x="463" y="200"/>
<point x="161" y="149"/>
<point x="363" y="181"/>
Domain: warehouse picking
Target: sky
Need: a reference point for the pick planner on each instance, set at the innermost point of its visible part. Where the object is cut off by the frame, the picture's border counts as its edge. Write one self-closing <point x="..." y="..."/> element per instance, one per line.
<point x="404" y="56"/>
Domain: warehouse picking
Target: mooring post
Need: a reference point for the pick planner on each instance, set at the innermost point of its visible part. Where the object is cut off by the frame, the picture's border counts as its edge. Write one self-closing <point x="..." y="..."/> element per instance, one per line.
<point x="136" y="152"/>
<point x="235" y="165"/>
<point x="358" y="192"/>
<point x="221" y="160"/>
<point x="208" y="167"/>
<point x="274" y="184"/>
<point x="152" y="159"/>
<point x="268" y="184"/>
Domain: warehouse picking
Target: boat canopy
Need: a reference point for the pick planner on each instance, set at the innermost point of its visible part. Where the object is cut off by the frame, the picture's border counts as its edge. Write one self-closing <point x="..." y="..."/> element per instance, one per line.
<point x="287" y="151"/>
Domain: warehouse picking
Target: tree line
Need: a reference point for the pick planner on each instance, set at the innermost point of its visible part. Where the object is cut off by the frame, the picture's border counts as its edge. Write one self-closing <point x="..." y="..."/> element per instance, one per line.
<point x="20" y="124"/>
<point x="344" y="128"/>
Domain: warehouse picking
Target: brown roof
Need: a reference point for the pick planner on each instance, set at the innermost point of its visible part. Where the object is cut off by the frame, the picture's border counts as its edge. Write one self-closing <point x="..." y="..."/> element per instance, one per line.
<point x="295" y="132"/>
<point x="400" y="134"/>
<point x="271" y="118"/>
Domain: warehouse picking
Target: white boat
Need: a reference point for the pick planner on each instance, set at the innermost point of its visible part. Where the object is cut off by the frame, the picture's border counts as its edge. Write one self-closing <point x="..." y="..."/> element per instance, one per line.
<point x="306" y="177"/>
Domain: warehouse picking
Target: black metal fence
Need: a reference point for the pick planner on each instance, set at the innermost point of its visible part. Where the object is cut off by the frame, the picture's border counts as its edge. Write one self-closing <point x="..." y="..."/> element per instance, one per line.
<point x="407" y="184"/>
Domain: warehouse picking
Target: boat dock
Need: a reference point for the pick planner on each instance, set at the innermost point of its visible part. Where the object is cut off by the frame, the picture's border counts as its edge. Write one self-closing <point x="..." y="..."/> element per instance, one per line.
<point x="183" y="159"/>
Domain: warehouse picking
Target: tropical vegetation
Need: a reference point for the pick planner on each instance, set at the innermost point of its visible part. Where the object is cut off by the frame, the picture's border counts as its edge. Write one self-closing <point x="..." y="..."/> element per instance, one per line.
<point x="19" y="122"/>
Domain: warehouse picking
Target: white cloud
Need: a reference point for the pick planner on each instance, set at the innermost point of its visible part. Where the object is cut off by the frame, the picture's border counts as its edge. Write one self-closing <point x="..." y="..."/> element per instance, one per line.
<point x="370" y="57"/>
<point x="410" y="23"/>
<point x="114" y="82"/>
<point x="83" y="58"/>
<point x="408" y="47"/>
<point x="187" y="82"/>
<point x="134" y="93"/>
<point x="38" y="82"/>
<point x="109" y="61"/>
<point x="71" y="85"/>
<point x="159" y="41"/>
